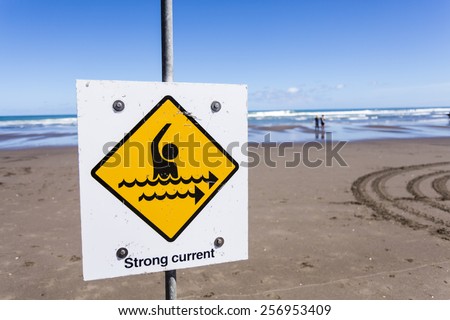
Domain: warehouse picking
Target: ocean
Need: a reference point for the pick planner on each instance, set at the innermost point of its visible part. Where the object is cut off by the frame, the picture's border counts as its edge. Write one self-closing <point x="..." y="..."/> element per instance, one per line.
<point x="350" y="124"/>
<point x="18" y="132"/>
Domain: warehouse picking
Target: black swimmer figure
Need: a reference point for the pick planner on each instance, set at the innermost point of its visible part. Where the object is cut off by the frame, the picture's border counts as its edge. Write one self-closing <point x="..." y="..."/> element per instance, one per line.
<point x="163" y="164"/>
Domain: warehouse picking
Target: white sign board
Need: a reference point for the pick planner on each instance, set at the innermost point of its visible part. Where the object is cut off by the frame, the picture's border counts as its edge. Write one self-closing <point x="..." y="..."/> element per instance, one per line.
<point x="163" y="180"/>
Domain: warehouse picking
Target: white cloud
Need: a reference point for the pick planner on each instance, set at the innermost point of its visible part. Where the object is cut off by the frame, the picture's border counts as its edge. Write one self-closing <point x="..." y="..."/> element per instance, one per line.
<point x="302" y="96"/>
<point x="271" y="98"/>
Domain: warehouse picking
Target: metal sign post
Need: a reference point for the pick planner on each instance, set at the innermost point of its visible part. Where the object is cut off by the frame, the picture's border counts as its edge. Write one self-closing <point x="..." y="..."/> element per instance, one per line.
<point x="167" y="76"/>
<point x="167" y="40"/>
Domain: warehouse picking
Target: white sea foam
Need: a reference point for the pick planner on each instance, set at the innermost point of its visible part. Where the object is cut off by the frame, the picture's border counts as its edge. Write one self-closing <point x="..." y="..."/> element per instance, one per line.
<point x="350" y="115"/>
<point x="23" y="123"/>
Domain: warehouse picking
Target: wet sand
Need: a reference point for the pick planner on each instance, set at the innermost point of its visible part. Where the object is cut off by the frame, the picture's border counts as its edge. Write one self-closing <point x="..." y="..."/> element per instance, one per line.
<point x="378" y="228"/>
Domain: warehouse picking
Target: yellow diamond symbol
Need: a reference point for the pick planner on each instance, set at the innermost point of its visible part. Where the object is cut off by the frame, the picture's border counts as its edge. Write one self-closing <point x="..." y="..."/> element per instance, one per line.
<point x="166" y="169"/>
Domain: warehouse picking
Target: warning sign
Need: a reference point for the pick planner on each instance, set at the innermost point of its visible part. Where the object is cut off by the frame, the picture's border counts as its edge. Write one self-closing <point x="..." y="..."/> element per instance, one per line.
<point x="163" y="175"/>
<point x="166" y="169"/>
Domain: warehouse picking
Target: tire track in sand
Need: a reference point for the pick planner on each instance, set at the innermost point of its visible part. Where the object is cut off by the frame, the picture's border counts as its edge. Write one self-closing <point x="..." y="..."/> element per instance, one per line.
<point x="440" y="186"/>
<point x="413" y="187"/>
<point x="419" y="212"/>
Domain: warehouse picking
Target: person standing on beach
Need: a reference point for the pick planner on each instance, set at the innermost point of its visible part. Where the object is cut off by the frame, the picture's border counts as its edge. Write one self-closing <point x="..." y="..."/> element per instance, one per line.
<point x="316" y="119"/>
<point x="322" y="122"/>
<point x="316" y="130"/>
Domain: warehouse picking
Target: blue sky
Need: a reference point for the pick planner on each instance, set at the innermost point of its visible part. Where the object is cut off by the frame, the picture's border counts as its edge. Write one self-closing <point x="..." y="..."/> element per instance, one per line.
<point x="299" y="54"/>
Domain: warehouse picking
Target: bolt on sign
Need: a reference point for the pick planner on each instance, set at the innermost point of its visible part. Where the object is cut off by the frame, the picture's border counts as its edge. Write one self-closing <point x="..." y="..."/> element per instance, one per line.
<point x="163" y="179"/>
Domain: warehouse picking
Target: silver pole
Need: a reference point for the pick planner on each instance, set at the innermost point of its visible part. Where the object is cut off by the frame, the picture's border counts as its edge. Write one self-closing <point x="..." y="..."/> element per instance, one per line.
<point x="167" y="40"/>
<point x="171" y="285"/>
<point x="167" y="76"/>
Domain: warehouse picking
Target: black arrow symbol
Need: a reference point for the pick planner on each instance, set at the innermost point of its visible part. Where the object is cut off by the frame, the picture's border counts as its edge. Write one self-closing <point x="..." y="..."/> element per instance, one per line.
<point x="212" y="179"/>
<point x="198" y="194"/>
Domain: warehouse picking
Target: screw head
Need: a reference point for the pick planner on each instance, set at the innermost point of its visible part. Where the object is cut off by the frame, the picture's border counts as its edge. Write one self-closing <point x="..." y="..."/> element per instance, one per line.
<point x="118" y="105"/>
<point x="121" y="253"/>
<point x="216" y="106"/>
<point x="219" y="242"/>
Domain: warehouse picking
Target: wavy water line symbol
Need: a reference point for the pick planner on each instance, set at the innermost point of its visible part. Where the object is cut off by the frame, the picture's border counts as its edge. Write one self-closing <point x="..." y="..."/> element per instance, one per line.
<point x="211" y="180"/>
<point x="197" y="195"/>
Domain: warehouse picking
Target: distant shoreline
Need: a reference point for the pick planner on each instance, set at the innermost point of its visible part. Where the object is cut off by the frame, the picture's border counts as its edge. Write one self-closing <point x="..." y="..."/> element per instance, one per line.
<point x="19" y="132"/>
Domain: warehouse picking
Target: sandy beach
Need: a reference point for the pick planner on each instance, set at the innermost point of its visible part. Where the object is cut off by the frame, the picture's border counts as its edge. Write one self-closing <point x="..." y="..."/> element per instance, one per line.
<point x="378" y="228"/>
